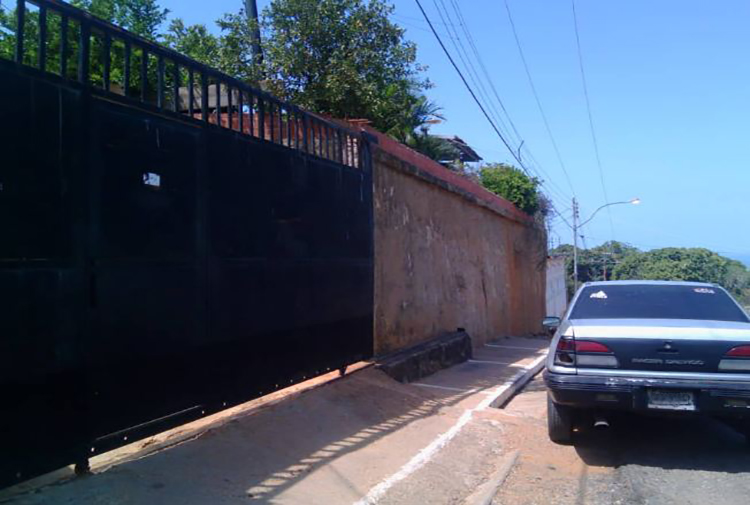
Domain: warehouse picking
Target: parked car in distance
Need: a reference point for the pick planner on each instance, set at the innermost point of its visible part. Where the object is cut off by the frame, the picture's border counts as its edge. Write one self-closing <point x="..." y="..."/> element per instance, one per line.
<point x="652" y="347"/>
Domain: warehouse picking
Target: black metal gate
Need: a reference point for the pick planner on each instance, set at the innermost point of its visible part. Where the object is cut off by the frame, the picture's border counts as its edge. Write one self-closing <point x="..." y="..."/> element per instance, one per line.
<point x="172" y="244"/>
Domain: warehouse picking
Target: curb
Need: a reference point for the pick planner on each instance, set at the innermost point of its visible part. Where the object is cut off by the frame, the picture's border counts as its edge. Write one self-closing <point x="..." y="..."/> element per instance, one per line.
<point x="518" y="381"/>
<point x="487" y="491"/>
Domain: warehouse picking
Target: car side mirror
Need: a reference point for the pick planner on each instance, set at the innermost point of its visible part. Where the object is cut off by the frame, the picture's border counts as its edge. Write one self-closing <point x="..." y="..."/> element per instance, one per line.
<point x="551" y="323"/>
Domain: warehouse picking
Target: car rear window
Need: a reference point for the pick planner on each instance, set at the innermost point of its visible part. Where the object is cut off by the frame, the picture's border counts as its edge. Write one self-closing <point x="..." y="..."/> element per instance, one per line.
<point x="643" y="301"/>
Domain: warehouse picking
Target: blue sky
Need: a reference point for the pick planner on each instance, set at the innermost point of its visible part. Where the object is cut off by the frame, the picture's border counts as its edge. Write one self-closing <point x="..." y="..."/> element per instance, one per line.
<point x="669" y="89"/>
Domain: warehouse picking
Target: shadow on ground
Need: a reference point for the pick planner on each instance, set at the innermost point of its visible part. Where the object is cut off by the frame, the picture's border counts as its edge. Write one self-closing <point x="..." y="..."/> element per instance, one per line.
<point x="273" y="451"/>
<point x="685" y="443"/>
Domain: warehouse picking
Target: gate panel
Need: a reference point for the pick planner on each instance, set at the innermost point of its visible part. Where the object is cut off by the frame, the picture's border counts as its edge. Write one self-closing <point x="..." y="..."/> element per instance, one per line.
<point x="164" y="259"/>
<point x="158" y="270"/>
<point x="41" y="278"/>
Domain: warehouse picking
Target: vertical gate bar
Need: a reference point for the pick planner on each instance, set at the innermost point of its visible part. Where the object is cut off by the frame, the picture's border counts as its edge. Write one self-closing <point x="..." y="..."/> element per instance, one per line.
<point x="64" y="46"/>
<point x="316" y="137"/>
<point x="305" y="125"/>
<point x="261" y="119"/>
<point x="240" y="110"/>
<point x="176" y="87"/>
<point x="84" y="46"/>
<point x="160" y="81"/>
<point x="204" y="97"/>
<point x="288" y="112"/>
<point x="218" y="102"/>
<point x="271" y="112"/>
<point x="319" y="138"/>
<point x="20" y="25"/>
<point x="296" y="128"/>
<point x="229" y="107"/>
<point x="251" y="113"/>
<point x="107" y="60"/>
<point x="340" y="147"/>
<point x="42" y="38"/>
<point x="144" y="72"/>
<point x="191" y="92"/>
<point x="323" y="140"/>
<point x="311" y="134"/>
<point x="126" y="70"/>
<point x="281" y="123"/>
<point x="328" y="142"/>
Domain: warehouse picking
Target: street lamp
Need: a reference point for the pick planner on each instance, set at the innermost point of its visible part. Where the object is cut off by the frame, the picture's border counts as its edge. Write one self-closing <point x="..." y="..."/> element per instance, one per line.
<point x="634" y="201"/>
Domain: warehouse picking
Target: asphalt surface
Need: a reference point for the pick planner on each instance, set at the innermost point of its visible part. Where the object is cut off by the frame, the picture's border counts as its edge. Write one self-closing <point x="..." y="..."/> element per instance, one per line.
<point x="638" y="460"/>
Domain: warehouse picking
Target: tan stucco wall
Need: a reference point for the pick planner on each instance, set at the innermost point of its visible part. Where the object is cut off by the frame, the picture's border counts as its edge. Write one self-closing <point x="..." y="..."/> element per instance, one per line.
<point x="445" y="259"/>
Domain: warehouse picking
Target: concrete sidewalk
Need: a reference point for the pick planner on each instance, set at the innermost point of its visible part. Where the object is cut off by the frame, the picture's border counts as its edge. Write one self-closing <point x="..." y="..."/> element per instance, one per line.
<point x="362" y="439"/>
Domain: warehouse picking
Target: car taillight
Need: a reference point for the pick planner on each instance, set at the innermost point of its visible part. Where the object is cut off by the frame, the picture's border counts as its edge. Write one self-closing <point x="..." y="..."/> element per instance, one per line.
<point x="741" y="351"/>
<point x="571" y="352"/>
<point x="565" y="352"/>
<point x="589" y="346"/>
<point x="737" y="359"/>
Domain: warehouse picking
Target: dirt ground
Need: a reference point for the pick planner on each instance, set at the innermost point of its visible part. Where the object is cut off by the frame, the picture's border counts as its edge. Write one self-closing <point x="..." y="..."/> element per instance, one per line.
<point x="636" y="461"/>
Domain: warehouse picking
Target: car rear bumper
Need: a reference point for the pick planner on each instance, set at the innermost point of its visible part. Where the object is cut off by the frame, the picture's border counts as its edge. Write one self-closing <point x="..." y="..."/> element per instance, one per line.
<point x="625" y="393"/>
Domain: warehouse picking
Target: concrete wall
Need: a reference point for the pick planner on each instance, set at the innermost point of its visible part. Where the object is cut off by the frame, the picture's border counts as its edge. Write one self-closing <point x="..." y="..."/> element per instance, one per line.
<point x="449" y="254"/>
<point x="557" y="294"/>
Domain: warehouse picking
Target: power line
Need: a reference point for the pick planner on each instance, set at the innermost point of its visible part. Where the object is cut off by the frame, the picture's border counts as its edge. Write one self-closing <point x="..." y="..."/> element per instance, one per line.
<point x="470" y="39"/>
<point x="473" y="75"/>
<point x="462" y="23"/>
<point x="591" y="118"/>
<point x="476" y="99"/>
<point x="536" y="97"/>
<point x="552" y="188"/>
<point x="471" y="91"/>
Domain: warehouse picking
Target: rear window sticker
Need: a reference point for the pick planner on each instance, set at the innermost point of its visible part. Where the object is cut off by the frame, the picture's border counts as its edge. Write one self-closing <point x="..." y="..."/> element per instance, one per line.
<point x="600" y="295"/>
<point x="705" y="291"/>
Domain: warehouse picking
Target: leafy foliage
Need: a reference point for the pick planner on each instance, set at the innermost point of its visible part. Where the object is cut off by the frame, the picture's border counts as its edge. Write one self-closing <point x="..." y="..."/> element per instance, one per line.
<point x="675" y="264"/>
<point x="194" y="41"/>
<point x="512" y="184"/>
<point x="623" y="262"/>
<point x="142" y="17"/>
<point x="342" y="58"/>
<point x="595" y="264"/>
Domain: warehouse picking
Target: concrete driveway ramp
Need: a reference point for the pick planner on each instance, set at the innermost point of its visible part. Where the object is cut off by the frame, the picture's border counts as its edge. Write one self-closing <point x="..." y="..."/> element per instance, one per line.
<point x="365" y="438"/>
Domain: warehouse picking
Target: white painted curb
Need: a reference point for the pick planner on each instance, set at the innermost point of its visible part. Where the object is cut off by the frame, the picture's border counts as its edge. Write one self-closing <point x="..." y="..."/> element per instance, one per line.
<point x="496" y="397"/>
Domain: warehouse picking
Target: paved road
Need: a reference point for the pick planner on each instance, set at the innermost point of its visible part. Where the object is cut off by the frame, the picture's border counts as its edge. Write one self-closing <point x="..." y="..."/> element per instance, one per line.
<point x="638" y="460"/>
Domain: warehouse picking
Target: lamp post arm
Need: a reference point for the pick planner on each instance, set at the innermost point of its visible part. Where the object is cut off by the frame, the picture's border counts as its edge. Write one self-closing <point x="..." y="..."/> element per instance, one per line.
<point x="600" y="208"/>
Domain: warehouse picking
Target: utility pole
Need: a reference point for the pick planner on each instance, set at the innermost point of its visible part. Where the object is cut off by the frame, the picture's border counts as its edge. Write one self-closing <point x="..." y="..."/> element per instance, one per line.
<point x="251" y="8"/>
<point x="575" y="245"/>
<point x="576" y="217"/>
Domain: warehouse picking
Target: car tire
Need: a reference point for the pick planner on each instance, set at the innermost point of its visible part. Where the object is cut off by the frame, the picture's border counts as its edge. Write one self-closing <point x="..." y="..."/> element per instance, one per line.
<point x="559" y="422"/>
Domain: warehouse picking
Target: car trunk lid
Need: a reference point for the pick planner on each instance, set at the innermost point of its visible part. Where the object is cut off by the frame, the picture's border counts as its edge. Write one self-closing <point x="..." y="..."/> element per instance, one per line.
<point x="666" y="345"/>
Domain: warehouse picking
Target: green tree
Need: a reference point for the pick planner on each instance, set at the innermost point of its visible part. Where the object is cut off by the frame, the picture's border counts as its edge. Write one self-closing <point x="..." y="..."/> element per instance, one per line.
<point x="344" y="58"/>
<point x="674" y="264"/>
<point x="680" y="264"/>
<point x="512" y="184"/>
<point x="194" y="41"/>
<point x="142" y="17"/>
<point x="595" y="264"/>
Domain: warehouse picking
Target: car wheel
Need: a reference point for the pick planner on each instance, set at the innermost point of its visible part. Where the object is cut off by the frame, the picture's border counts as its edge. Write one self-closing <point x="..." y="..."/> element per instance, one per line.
<point x="559" y="422"/>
